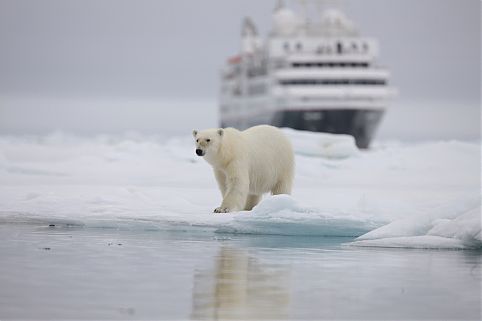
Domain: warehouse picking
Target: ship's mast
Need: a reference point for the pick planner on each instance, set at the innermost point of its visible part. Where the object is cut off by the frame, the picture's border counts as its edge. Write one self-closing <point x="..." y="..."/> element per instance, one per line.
<point x="304" y="9"/>
<point x="279" y="5"/>
<point x="327" y="4"/>
<point x="320" y="5"/>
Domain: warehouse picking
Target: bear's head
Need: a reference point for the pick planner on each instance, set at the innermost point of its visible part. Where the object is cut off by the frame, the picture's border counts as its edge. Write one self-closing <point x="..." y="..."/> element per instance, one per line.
<point x="208" y="141"/>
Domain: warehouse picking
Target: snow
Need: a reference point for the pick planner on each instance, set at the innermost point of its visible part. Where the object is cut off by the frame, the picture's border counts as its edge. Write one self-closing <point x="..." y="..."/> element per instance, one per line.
<point x="423" y="195"/>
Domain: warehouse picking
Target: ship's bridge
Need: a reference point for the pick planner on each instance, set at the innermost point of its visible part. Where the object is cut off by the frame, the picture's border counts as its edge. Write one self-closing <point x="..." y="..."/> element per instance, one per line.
<point x="335" y="49"/>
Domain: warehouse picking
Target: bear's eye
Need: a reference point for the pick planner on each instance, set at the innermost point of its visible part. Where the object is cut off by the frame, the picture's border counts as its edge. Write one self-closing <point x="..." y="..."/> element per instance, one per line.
<point x="197" y="140"/>
<point x="208" y="140"/>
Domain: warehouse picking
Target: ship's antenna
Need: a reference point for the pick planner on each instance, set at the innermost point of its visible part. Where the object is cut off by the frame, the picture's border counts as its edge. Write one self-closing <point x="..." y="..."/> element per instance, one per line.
<point x="326" y="4"/>
<point x="279" y="5"/>
<point x="304" y="9"/>
<point x="248" y="28"/>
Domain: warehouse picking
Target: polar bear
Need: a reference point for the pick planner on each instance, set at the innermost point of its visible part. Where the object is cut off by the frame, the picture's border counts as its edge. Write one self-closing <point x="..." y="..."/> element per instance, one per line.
<point x="247" y="163"/>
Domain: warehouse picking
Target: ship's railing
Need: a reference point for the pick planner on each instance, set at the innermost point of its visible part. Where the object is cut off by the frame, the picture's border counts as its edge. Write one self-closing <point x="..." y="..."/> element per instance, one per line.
<point x="327" y="66"/>
<point x="334" y="92"/>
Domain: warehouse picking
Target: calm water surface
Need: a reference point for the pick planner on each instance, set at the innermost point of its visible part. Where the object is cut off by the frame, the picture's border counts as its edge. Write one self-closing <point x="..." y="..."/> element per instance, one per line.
<point x="77" y="273"/>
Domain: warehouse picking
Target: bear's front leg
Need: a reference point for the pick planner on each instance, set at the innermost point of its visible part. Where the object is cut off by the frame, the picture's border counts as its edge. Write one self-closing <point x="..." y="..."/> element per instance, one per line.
<point x="237" y="186"/>
<point x="221" y="179"/>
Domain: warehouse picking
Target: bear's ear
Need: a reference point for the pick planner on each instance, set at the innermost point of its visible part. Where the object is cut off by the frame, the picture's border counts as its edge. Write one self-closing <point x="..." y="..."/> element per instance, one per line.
<point x="194" y="133"/>
<point x="220" y="132"/>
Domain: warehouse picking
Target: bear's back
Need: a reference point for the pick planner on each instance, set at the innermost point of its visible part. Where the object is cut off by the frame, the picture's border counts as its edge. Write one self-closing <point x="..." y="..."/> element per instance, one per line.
<point x="270" y="154"/>
<point x="266" y="137"/>
<point x="266" y="147"/>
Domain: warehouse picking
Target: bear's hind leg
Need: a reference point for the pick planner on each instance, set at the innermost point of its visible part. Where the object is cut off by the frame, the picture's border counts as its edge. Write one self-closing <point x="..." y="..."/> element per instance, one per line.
<point x="251" y="202"/>
<point x="282" y="187"/>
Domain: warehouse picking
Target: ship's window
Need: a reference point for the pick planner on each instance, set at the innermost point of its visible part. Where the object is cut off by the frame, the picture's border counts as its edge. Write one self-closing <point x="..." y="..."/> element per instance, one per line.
<point x="299" y="46"/>
<point x="312" y="82"/>
<point x="365" y="47"/>
<point x="354" y="46"/>
<point x="328" y="64"/>
<point x="339" y="48"/>
<point x="286" y="46"/>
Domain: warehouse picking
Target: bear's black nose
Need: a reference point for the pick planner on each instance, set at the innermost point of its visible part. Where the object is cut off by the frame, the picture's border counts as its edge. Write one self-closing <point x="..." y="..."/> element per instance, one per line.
<point x="199" y="152"/>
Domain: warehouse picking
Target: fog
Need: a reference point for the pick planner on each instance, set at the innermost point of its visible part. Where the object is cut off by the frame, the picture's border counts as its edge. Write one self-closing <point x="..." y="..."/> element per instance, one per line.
<point x="153" y="66"/>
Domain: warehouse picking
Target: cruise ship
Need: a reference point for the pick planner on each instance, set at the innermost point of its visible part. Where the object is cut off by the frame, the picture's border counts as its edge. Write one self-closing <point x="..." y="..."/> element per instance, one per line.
<point x="308" y="74"/>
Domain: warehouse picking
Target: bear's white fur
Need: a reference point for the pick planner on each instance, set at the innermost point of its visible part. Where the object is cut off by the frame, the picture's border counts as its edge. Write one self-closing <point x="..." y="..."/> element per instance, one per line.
<point x="247" y="163"/>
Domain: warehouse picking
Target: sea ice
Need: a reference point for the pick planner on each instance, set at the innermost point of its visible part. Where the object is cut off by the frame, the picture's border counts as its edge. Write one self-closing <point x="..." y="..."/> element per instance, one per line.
<point x="424" y="195"/>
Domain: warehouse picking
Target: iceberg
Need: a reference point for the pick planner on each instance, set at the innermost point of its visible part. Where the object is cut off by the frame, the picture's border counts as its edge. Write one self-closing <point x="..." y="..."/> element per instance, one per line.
<point x="322" y="144"/>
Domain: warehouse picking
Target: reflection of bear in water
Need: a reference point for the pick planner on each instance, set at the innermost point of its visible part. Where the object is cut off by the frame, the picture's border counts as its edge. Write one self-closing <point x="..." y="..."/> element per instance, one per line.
<point x="247" y="163"/>
<point x="241" y="287"/>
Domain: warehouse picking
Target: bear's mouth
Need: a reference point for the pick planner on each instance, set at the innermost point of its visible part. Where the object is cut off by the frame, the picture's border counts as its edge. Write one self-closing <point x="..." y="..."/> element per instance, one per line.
<point x="199" y="152"/>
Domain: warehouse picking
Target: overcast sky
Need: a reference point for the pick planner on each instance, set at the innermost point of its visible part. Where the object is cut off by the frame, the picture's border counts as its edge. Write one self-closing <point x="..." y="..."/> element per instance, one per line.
<point x="111" y="50"/>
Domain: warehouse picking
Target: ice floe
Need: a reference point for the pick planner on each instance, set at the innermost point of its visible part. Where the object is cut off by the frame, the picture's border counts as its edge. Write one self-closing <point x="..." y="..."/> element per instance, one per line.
<point x="420" y="195"/>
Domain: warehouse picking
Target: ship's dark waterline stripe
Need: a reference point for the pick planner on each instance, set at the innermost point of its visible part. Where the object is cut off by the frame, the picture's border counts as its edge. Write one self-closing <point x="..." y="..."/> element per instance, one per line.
<point x="361" y="124"/>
